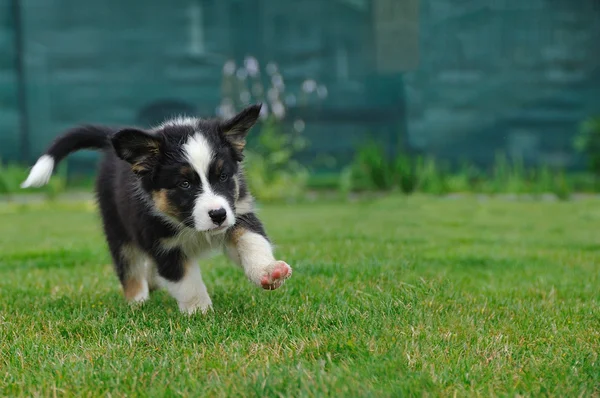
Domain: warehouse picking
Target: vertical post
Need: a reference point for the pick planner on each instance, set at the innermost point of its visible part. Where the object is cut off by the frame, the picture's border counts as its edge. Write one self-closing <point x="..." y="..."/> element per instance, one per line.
<point x="19" y="64"/>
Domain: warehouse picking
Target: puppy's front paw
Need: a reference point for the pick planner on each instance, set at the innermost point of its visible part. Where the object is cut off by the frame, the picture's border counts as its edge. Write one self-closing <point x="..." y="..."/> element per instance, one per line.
<point x="275" y="275"/>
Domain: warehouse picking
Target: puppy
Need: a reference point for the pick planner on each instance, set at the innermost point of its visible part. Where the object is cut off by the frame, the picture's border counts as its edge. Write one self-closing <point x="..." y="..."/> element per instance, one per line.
<point x="167" y="197"/>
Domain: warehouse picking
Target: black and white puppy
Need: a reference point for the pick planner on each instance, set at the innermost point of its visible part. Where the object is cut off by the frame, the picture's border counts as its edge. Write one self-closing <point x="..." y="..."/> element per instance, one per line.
<point x="170" y="195"/>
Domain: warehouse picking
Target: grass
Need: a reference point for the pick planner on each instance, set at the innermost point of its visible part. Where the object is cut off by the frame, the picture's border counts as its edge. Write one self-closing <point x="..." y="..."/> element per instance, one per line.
<point x="392" y="297"/>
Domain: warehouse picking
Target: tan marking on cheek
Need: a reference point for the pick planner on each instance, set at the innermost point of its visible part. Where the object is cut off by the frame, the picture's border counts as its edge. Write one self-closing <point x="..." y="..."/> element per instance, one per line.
<point x="161" y="200"/>
<point x="131" y="288"/>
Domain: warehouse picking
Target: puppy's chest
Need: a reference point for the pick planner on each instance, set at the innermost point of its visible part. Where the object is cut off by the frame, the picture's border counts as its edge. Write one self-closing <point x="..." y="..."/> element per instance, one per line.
<point x="194" y="244"/>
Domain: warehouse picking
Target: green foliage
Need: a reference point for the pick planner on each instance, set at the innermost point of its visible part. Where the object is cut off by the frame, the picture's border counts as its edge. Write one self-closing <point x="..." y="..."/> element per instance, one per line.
<point x="271" y="171"/>
<point x="467" y="179"/>
<point x="430" y="176"/>
<point x="12" y="175"/>
<point x="405" y="173"/>
<point x="372" y="171"/>
<point x="508" y="176"/>
<point x="588" y="143"/>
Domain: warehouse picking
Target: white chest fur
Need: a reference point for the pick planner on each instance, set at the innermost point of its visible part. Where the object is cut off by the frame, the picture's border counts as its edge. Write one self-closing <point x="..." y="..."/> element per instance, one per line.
<point x="195" y="245"/>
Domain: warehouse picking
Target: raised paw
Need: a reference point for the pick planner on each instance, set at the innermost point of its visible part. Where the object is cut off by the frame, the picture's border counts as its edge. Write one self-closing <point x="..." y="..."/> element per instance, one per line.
<point x="276" y="274"/>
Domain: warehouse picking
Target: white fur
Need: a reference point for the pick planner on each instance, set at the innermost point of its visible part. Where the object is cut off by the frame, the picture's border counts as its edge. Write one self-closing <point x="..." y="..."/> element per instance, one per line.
<point x="193" y="243"/>
<point x="199" y="154"/>
<point x="190" y="292"/>
<point x="245" y="205"/>
<point x="179" y="121"/>
<point x="255" y="254"/>
<point x="40" y="173"/>
<point x="206" y="202"/>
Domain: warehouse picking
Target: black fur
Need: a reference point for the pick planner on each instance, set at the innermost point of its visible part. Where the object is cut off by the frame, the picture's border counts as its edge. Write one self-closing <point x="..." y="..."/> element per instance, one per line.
<point x="83" y="137"/>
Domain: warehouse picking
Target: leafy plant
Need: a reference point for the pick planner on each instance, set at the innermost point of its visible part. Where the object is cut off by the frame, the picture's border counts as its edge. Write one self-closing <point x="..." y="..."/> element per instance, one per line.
<point x="371" y="170"/>
<point x="272" y="172"/>
<point x="430" y="176"/>
<point x="508" y="176"/>
<point x="12" y="175"/>
<point x="405" y="175"/>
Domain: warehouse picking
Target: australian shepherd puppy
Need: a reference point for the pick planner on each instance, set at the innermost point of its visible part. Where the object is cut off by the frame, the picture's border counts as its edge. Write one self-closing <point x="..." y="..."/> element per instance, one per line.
<point x="170" y="195"/>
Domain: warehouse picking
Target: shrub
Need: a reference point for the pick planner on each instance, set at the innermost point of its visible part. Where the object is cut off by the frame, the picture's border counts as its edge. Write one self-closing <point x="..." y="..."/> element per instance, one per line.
<point x="405" y="176"/>
<point x="371" y="169"/>
<point x="430" y="176"/>
<point x="12" y="175"/>
<point x="272" y="172"/>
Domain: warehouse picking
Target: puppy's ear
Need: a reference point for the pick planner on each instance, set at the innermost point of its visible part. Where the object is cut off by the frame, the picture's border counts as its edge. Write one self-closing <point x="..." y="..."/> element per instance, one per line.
<point x="235" y="129"/>
<point x="138" y="148"/>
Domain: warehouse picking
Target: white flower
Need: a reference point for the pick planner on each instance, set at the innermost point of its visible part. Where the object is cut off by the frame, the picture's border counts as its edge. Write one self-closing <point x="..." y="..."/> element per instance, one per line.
<point x="309" y="85"/>
<point x="229" y="68"/>
<point x="278" y="110"/>
<point x="299" y="125"/>
<point x="251" y="65"/>
<point x="277" y="81"/>
<point x="322" y="91"/>
<point x="226" y="110"/>
<point x="273" y="94"/>
<point x="242" y="74"/>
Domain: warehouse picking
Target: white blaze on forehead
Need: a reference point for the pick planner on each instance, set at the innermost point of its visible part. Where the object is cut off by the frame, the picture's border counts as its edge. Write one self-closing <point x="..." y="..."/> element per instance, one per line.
<point x="199" y="154"/>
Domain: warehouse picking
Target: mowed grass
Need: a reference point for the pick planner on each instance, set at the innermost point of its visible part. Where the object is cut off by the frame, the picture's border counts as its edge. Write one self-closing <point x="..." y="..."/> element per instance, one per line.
<point x="392" y="297"/>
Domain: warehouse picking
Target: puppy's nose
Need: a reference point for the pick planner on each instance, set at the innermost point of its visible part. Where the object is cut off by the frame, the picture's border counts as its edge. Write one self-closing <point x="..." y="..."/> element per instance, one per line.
<point x="218" y="216"/>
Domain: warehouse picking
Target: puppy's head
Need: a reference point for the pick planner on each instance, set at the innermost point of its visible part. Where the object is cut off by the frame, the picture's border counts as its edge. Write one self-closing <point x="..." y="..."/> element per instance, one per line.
<point x="189" y="167"/>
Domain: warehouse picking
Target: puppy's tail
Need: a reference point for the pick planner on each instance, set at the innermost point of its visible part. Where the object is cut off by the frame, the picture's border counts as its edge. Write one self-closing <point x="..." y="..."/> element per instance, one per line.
<point x="82" y="137"/>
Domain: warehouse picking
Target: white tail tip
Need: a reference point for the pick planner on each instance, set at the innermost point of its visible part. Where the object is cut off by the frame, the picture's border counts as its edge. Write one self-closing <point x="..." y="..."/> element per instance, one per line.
<point x="40" y="173"/>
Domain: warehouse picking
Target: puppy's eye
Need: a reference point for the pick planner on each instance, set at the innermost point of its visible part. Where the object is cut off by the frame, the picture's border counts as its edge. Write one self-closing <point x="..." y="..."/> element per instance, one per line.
<point x="185" y="185"/>
<point x="223" y="177"/>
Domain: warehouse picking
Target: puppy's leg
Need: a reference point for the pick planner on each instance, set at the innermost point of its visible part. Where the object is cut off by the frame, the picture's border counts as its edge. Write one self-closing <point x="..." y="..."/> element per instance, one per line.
<point x="182" y="279"/>
<point x="129" y="260"/>
<point x="133" y="273"/>
<point x="247" y="245"/>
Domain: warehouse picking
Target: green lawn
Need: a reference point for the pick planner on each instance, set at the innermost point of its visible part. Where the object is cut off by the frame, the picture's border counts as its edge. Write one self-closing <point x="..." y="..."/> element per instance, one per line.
<point x="389" y="297"/>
